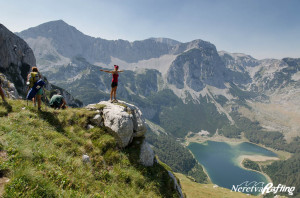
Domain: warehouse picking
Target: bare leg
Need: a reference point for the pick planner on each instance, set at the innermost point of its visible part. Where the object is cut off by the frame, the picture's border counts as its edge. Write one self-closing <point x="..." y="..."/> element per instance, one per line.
<point x="2" y="94"/>
<point x="39" y="100"/>
<point x="115" y="92"/>
<point x="34" y="100"/>
<point x="111" y="93"/>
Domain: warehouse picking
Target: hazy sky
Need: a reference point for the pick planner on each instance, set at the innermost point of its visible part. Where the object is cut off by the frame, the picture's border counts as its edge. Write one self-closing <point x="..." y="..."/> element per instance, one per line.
<point x="261" y="28"/>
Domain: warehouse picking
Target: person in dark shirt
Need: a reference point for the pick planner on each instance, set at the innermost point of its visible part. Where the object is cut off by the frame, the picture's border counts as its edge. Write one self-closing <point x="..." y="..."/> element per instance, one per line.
<point x="57" y="101"/>
<point x="114" y="83"/>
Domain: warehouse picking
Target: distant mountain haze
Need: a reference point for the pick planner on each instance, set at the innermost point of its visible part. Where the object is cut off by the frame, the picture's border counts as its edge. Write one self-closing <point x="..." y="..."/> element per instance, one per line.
<point x="192" y="71"/>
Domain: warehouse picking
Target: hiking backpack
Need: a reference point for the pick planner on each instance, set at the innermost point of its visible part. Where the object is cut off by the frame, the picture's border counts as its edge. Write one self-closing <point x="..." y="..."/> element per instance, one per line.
<point x="34" y="77"/>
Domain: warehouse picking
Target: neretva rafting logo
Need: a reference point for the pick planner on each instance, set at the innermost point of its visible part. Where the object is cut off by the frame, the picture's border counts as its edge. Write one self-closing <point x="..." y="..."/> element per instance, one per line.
<point x="254" y="187"/>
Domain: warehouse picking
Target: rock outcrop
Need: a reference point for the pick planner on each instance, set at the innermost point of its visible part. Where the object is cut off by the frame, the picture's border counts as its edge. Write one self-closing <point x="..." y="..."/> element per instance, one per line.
<point x="176" y="184"/>
<point x="126" y="122"/>
<point x="146" y="154"/>
<point x="8" y="87"/>
<point x="16" y="58"/>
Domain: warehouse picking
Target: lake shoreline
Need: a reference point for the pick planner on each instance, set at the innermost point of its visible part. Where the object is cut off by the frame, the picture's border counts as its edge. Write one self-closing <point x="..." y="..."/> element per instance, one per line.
<point x="261" y="172"/>
<point x="234" y="141"/>
<point x="209" y="181"/>
<point x="282" y="155"/>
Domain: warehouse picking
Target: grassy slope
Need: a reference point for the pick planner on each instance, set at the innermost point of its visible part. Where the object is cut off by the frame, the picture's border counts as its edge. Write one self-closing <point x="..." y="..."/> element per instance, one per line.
<point x="44" y="157"/>
<point x="195" y="190"/>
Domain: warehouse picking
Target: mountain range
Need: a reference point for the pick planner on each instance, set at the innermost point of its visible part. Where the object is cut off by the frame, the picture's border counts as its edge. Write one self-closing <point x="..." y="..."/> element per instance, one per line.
<point x="191" y="71"/>
<point x="181" y="88"/>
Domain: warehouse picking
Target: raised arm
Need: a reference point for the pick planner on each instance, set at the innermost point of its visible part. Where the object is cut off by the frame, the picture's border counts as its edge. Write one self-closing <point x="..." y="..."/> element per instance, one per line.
<point x="121" y="71"/>
<point x="107" y="71"/>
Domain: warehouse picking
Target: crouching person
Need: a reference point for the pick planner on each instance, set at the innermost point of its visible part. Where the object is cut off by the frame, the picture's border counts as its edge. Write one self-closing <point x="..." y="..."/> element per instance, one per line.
<point x="57" y="101"/>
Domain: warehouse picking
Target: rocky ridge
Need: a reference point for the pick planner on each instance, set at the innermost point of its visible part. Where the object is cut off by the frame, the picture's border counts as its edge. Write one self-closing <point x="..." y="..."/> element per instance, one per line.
<point x="192" y="70"/>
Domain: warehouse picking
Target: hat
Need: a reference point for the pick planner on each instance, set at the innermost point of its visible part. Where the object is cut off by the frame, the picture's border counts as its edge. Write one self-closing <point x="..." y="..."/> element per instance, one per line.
<point x="116" y="66"/>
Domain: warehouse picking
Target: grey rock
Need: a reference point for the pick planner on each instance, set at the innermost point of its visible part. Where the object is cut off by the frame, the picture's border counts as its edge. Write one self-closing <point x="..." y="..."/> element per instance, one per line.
<point x="97" y="120"/>
<point x="119" y="121"/>
<point x="8" y="87"/>
<point x="16" y="59"/>
<point x="86" y="158"/>
<point x="90" y="126"/>
<point x="176" y="185"/>
<point x="124" y="119"/>
<point x="139" y="126"/>
<point x="146" y="154"/>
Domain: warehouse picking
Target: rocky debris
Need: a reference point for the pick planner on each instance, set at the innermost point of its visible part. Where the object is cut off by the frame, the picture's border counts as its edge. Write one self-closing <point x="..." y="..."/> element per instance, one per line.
<point x="176" y="184"/>
<point x="16" y="59"/>
<point x="9" y="88"/>
<point x="146" y="155"/>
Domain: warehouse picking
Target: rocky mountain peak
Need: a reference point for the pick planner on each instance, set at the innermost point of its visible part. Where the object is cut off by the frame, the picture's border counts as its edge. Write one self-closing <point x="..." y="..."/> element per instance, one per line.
<point x="167" y="41"/>
<point x="52" y="29"/>
<point x="197" y="67"/>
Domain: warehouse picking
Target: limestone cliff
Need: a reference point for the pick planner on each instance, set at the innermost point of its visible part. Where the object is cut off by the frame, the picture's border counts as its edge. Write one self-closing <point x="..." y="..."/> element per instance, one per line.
<point x="16" y="58"/>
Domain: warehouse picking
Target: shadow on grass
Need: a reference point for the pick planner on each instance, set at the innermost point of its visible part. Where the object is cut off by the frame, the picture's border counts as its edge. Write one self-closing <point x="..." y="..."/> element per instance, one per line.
<point x="156" y="174"/>
<point x="52" y="120"/>
<point x="8" y="108"/>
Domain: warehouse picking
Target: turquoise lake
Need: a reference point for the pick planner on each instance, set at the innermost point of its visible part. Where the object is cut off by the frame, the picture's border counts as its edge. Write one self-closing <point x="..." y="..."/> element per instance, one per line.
<point x="220" y="161"/>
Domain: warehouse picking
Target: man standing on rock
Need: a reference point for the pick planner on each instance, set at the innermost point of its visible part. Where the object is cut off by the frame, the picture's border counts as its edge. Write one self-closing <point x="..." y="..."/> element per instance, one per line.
<point x="114" y="83"/>
<point x="1" y="92"/>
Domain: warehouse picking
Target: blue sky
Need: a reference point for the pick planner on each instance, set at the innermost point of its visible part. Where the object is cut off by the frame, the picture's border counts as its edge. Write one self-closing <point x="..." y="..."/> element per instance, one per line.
<point x="261" y="28"/>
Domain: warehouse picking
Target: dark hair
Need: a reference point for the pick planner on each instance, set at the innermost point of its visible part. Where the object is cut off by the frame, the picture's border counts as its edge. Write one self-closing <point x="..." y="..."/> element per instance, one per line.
<point x="35" y="69"/>
<point x="116" y="66"/>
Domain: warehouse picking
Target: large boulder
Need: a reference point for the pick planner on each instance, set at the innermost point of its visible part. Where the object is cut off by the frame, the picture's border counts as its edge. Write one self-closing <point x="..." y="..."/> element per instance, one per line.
<point x="124" y="119"/>
<point x="126" y="122"/>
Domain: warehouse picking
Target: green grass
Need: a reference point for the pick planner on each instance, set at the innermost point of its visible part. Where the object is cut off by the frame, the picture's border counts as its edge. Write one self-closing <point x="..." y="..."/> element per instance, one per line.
<point x="45" y="157"/>
<point x="193" y="189"/>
